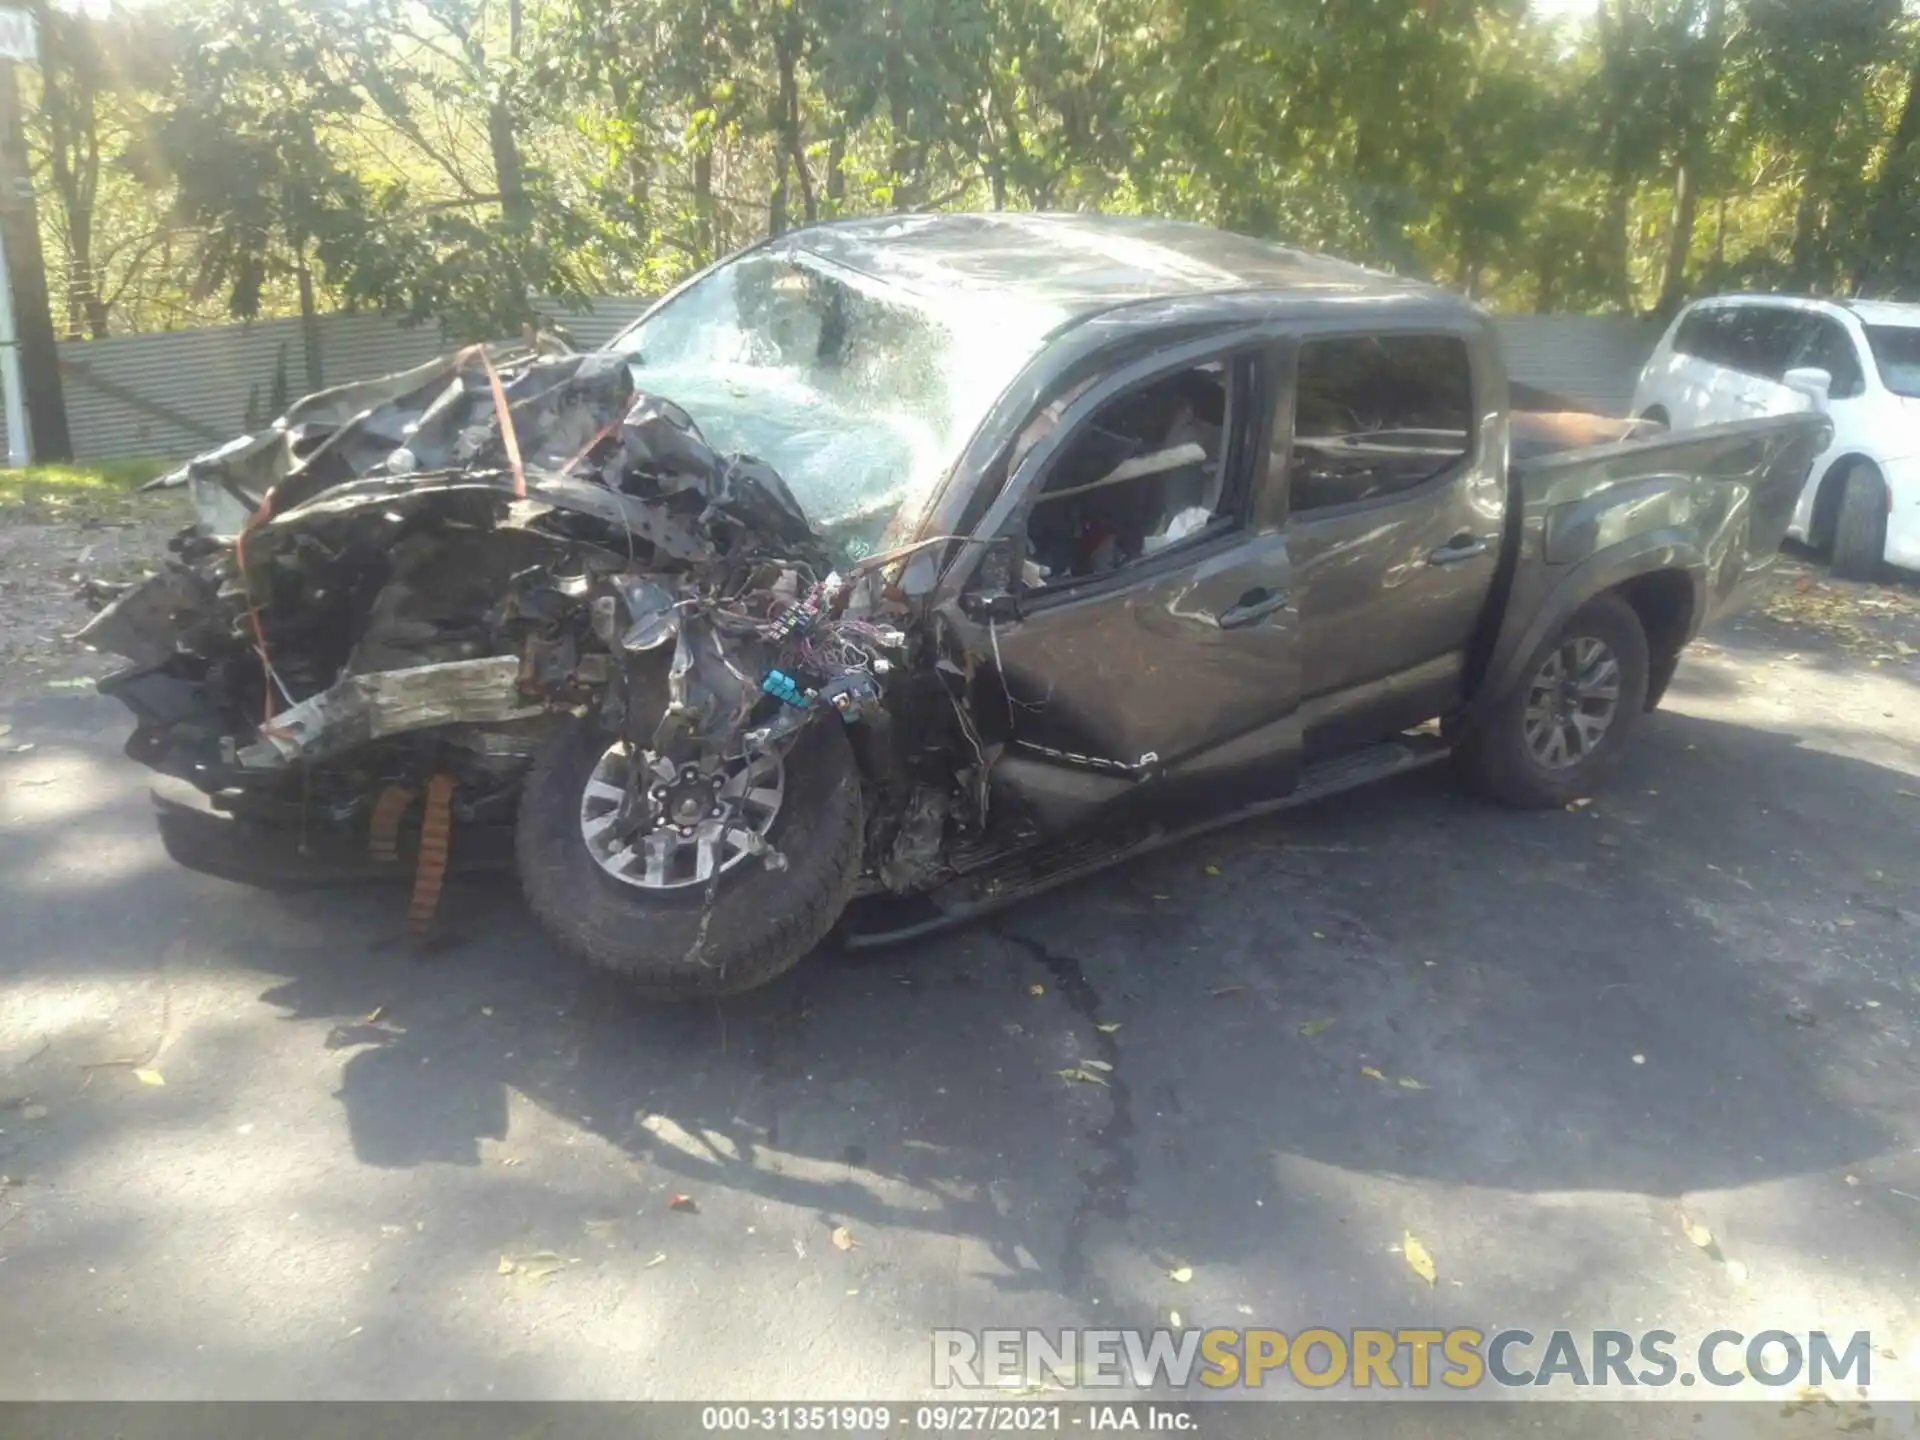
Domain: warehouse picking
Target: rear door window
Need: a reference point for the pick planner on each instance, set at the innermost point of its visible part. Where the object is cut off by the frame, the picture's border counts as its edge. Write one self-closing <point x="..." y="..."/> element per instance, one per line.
<point x="1763" y="339"/>
<point x="1702" y="334"/>
<point x="1376" y="415"/>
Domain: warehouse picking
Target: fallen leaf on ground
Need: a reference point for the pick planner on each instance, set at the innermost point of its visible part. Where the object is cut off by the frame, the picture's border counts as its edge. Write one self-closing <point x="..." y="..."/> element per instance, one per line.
<point x="843" y="1238"/>
<point x="33" y="1112"/>
<point x="1853" y="1179"/>
<point x="1096" y="1065"/>
<point x="659" y="1258"/>
<point x="1174" y="1316"/>
<point x="1697" y="1233"/>
<point x="1407" y="1082"/>
<point x="1220" y="990"/>
<point x="1371" y="1073"/>
<point x="1108" y="1028"/>
<point x="685" y="1204"/>
<point x="373" y="1015"/>
<point x="537" y="1266"/>
<point x="1578" y="804"/>
<point x="1311" y="1028"/>
<point x="1213" y="869"/>
<point x="1036" y="991"/>
<point x="1180" y="1274"/>
<point x="149" y="1077"/>
<point x="1418" y="1260"/>
<point x="1080" y="1073"/>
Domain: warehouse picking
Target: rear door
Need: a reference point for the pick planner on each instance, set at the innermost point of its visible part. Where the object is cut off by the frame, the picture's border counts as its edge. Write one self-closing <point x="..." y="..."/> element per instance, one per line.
<point x="1152" y="623"/>
<point x="1686" y="387"/>
<point x="1395" y="495"/>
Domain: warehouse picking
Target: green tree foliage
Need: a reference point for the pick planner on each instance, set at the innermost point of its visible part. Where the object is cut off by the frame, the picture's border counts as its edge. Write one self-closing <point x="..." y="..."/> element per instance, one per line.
<point x="475" y="162"/>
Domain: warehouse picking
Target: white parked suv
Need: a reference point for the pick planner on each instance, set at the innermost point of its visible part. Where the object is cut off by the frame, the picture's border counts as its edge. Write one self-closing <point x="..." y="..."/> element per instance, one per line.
<point x="1738" y="356"/>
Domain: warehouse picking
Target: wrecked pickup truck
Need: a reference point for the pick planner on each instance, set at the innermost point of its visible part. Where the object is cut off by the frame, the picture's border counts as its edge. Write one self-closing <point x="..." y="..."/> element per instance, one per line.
<point x="905" y="567"/>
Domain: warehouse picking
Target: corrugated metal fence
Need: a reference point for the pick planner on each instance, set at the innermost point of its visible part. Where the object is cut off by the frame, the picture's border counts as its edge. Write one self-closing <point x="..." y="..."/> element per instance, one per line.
<point x="174" y="394"/>
<point x="178" y="392"/>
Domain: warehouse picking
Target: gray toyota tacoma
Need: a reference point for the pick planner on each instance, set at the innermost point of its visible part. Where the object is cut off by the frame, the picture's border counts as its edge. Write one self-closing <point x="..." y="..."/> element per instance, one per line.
<point x="896" y="569"/>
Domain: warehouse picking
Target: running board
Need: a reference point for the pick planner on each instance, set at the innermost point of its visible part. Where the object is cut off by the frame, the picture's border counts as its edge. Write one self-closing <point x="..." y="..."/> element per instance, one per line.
<point x="1029" y="874"/>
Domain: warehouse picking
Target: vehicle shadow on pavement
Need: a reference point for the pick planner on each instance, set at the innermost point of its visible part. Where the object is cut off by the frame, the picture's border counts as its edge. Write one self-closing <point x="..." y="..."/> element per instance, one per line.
<point x="1652" y="995"/>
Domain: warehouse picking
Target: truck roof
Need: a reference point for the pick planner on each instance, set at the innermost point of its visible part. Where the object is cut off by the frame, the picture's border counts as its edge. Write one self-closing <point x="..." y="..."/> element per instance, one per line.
<point x="1082" y="264"/>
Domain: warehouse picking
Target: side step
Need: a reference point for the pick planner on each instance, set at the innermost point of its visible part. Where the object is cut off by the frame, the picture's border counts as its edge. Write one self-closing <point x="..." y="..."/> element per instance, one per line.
<point x="889" y="920"/>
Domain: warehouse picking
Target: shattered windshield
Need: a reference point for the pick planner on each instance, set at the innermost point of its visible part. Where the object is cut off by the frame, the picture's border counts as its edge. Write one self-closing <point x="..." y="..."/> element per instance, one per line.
<point x="860" y="395"/>
<point x="1896" y="350"/>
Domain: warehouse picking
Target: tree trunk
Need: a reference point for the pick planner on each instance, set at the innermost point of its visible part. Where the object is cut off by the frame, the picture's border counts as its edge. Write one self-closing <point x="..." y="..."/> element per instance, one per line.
<point x="788" y="150"/>
<point x="1620" y="275"/>
<point x="509" y="172"/>
<point x="1673" y="279"/>
<point x="32" y="314"/>
<point x="638" y="160"/>
<point x="899" y="107"/>
<point x="703" y="199"/>
<point x="1896" y="174"/>
<point x="1701" y="83"/>
<point x="309" y="320"/>
<point x="510" y="176"/>
<point x="1806" y="236"/>
<point x="837" y="168"/>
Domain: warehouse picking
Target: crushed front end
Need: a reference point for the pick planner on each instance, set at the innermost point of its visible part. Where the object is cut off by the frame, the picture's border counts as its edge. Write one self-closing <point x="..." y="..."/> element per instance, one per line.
<point x="404" y="592"/>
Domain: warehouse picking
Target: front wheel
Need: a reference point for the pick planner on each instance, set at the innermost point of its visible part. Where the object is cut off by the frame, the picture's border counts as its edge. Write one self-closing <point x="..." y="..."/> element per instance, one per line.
<point x="681" y="901"/>
<point x="1549" y="740"/>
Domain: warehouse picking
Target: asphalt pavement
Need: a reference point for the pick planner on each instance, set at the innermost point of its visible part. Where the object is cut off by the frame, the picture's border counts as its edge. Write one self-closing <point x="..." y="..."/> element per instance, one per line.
<point x="254" y="1147"/>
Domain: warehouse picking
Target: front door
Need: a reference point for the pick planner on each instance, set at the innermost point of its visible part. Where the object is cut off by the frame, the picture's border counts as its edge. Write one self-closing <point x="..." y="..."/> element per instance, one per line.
<point x="1153" y="634"/>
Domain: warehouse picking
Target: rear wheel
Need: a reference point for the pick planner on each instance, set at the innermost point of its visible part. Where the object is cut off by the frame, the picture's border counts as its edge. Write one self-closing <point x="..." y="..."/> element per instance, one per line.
<point x="1550" y="739"/>
<point x="1860" y="526"/>
<point x="670" y="889"/>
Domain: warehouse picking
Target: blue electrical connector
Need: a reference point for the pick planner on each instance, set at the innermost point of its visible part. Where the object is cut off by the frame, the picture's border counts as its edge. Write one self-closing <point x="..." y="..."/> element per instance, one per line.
<point x="782" y="687"/>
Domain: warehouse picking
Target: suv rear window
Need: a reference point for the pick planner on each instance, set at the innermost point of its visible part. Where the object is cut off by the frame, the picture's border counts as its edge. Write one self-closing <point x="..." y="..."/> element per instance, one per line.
<point x="1759" y="339"/>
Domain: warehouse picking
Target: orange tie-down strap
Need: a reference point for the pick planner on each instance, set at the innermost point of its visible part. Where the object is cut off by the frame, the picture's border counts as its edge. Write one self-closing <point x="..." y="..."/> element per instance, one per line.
<point x="430" y="866"/>
<point x="383" y="830"/>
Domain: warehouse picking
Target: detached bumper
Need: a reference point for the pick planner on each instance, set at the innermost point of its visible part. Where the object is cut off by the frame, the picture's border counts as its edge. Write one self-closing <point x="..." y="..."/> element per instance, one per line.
<point x="267" y="858"/>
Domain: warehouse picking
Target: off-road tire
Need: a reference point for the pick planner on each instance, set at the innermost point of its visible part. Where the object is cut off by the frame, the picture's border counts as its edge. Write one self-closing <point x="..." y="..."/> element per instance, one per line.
<point x="763" y="920"/>
<point x="1494" y="758"/>
<point x="1860" y="525"/>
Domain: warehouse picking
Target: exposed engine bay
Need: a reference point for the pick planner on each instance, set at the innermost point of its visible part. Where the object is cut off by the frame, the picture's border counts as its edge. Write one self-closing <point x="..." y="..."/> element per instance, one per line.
<point x="401" y="590"/>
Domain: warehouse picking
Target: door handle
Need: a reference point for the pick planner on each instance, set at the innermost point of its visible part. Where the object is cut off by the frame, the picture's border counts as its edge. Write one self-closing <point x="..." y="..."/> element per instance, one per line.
<point x="1461" y="547"/>
<point x="1254" y="605"/>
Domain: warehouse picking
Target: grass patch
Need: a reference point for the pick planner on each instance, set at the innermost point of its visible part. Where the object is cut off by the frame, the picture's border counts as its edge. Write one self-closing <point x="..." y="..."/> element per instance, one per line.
<point x="60" y="487"/>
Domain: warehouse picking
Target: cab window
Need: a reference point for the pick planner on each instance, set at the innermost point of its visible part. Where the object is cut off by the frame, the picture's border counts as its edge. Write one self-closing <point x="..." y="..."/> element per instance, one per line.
<point x="1377" y="415"/>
